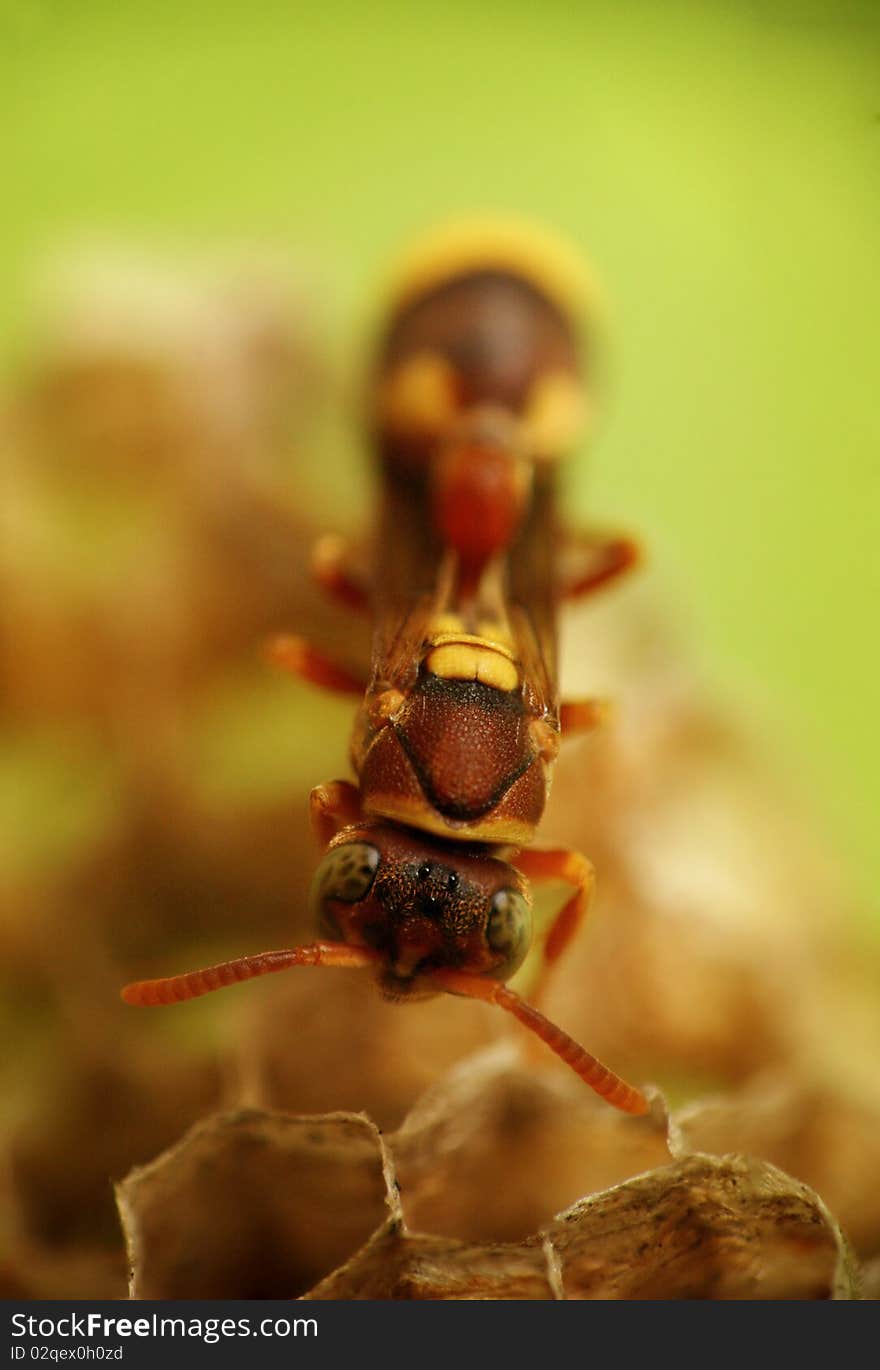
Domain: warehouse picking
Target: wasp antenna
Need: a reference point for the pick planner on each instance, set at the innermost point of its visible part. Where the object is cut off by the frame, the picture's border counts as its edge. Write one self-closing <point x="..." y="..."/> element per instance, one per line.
<point x="605" y="1083"/>
<point x="178" y="988"/>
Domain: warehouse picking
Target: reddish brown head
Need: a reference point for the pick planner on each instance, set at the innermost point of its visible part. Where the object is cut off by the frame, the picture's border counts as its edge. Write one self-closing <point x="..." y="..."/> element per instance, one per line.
<point x="425" y="905"/>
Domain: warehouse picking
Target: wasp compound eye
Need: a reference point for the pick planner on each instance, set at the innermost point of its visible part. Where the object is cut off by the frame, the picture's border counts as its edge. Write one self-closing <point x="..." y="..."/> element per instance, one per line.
<point x="509" y="930"/>
<point x="346" y="874"/>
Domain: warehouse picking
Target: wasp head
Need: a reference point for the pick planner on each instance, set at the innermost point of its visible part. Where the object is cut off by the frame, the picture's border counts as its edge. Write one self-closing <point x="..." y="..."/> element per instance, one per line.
<point x="424" y="904"/>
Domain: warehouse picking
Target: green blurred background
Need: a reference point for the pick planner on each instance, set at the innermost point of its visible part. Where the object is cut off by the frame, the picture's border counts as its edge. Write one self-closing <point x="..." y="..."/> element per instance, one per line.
<point x="719" y="163"/>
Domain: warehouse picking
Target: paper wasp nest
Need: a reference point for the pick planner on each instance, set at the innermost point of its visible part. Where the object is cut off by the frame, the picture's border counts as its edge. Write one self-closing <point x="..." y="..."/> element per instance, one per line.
<point x="158" y="776"/>
<point x="266" y="1204"/>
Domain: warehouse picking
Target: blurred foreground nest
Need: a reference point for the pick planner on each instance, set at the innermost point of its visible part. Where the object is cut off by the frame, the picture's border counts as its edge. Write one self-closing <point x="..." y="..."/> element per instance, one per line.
<point x="302" y="1137"/>
<point x="459" y="1203"/>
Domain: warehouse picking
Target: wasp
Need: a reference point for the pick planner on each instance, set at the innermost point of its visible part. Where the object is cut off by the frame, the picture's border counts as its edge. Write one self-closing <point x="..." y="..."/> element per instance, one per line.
<point x="480" y="386"/>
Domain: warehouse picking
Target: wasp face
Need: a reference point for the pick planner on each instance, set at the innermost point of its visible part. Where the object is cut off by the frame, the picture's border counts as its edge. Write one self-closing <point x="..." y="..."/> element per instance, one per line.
<point x="424" y="904"/>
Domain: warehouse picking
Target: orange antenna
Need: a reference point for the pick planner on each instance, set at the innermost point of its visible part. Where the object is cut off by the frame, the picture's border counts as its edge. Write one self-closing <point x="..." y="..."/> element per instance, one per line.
<point x="610" y="1086"/>
<point x="177" y="988"/>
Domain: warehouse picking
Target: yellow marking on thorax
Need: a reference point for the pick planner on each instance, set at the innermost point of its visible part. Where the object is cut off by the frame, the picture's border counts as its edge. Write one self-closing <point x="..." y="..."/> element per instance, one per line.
<point x="497" y="634"/>
<point x="466" y="657"/>
<point x="449" y="627"/>
<point x="417" y="813"/>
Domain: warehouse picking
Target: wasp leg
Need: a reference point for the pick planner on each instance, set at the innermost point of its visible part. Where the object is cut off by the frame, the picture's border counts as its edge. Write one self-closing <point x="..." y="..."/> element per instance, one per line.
<point x="333" y="807"/>
<point x="590" y="561"/>
<point x="300" y="659"/>
<point x="576" y="871"/>
<point x="583" y="715"/>
<point x="335" y="569"/>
